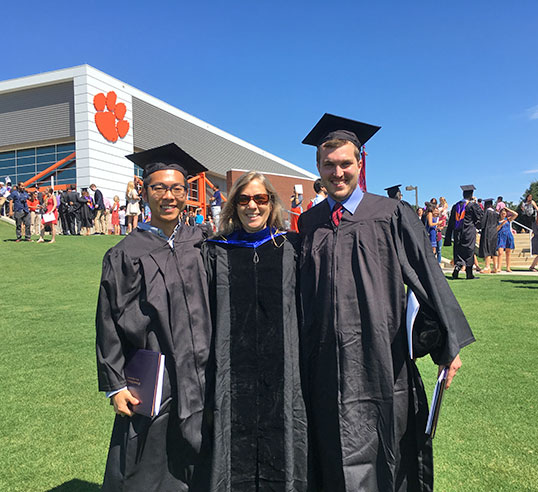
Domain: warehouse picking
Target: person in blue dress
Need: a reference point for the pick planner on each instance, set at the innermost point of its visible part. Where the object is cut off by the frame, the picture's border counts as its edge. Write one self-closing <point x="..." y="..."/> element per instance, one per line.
<point x="505" y="238"/>
<point x="258" y="436"/>
<point x="432" y="220"/>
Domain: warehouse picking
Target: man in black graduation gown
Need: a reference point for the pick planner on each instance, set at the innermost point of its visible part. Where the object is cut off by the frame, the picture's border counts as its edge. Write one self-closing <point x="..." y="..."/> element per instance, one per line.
<point x="153" y="295"/>
<point x="465" y="218"/>
<point x="72" y="205"/>
<point x="488" y="234"/>
<point x="366" y="405"/>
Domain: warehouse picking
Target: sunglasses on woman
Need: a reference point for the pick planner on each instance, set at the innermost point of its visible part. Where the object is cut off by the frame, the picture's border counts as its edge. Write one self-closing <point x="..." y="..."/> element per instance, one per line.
<point x="260" y="199"/>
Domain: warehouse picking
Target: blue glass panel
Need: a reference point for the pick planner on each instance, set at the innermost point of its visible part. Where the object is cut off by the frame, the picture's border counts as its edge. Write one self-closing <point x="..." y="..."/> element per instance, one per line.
<point x="62" y="155"/>
<point x="24" y="176"/>
<point x="24" y="161"/>
<point x="7" y="163"/>
<point x="26" y="167"/>
<point x="70" y="165"/>
<point x="7" y="155"/>
<point x="71" y="172"/>
<point x="42" y="167"/>
<point x="25" y="152"/>
<point x="138" y="171"/>
<point x="51" y="158"/>
<point x="68" y="169"/>
<point x="68" y="176"/>
<point x="64" y="147"/>
<point x="51" y="149"/>
<point x="26" y="170"/>
<point x="7" y="171"/>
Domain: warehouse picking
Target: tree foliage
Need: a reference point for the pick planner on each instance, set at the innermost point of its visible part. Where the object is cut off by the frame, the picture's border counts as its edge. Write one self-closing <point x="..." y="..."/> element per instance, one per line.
<point x="533" y="190"/>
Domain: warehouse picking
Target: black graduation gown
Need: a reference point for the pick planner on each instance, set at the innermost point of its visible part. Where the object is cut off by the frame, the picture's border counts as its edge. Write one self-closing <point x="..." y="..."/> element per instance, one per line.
<point x="366" y="405"/>
<point x="155" y="298"/>
<point x="259" y="435"/>
<point x="464" y="238"/>
<point x="86" y="214"/>
<point x="488" y="233"/>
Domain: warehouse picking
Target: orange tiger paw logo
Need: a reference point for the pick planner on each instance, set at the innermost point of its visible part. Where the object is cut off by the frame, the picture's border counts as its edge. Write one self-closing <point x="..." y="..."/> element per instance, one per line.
<point x="110" y="123"/>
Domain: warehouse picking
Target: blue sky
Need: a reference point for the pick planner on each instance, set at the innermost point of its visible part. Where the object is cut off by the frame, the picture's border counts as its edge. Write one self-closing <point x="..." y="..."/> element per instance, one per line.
<point x="454" y="85"/>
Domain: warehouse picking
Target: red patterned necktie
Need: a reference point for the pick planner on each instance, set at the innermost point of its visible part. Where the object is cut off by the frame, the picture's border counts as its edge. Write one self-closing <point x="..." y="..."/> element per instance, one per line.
<point x="336" y="214"/>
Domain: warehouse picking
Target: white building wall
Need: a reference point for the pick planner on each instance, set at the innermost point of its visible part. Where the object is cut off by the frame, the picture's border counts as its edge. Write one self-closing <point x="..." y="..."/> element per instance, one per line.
<point x="98" y="160"/>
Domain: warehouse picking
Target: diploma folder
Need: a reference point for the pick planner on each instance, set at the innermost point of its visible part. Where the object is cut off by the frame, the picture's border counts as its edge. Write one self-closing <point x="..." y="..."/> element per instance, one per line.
<point x="144" y="373"/>
<point x="437" y="399"/>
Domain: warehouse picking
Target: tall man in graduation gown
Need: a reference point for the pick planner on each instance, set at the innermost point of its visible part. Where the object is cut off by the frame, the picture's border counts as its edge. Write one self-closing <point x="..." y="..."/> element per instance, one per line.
<point x="488" y="234"/>
<point x="366" y="405"/>
<point x="465" y="218"/>
<point x="153" y="295"/>
<point x="72" y="205"/>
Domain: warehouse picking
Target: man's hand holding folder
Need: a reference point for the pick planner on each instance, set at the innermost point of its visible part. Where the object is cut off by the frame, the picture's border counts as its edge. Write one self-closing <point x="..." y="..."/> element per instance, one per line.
<point x="453" y="368"/>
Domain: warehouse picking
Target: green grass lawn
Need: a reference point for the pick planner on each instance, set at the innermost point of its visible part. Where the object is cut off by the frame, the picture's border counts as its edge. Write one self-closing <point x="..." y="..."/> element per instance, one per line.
<point x="56" y="426"/>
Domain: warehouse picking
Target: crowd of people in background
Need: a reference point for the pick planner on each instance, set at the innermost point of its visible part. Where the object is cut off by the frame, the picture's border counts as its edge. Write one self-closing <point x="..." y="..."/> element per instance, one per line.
<point x="38" y="211"/>
<point x="44" y="211"/>
<point x="496" y="225"/>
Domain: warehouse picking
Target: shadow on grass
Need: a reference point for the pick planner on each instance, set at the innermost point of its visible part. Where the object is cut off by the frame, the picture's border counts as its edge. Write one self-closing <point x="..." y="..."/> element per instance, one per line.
<point x="523" y="284"/>
<point x="76" y="485"/>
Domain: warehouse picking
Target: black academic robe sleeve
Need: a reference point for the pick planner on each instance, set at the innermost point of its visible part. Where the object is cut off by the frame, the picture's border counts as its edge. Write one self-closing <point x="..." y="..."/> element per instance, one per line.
<point x="422" y="274"/>
<point x="117" y="312"/>
<point x="450" y="228"/>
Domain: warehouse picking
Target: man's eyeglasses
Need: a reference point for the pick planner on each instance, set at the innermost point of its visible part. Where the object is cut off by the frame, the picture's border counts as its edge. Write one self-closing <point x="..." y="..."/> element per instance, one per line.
<point x="260" y="199"/>
<point x="159" y="190"/>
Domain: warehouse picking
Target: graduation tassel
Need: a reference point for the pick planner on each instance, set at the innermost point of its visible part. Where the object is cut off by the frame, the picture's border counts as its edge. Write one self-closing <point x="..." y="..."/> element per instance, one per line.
<point x="362" y="174"/>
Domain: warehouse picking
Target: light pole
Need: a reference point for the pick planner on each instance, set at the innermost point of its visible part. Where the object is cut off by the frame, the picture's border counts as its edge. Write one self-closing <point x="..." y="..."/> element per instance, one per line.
<point x="411" y="188"/>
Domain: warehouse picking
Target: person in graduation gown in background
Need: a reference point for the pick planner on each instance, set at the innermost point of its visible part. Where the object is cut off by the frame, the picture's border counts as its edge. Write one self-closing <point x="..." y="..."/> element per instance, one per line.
<point x="153" y="295"/>
<point x="259" y="435"/>
<point x="394" y="192"/>
<point x="465" y="218"/>
<point x="488" y="234"/>
<point x="366" y="405"/>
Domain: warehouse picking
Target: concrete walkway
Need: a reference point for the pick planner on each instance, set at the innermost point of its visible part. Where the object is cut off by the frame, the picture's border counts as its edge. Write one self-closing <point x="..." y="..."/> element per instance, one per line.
<point x="525" y="273"/>
<point x="7" y="219"/>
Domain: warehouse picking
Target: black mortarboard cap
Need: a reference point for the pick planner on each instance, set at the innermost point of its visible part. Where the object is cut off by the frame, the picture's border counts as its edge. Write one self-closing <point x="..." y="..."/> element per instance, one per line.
<point x="169" y="156"/>
<point x="488" y="200"/>
<point x="331" y="127"/>
<point x="393" y="190"/>
<point x="467" y="187"/>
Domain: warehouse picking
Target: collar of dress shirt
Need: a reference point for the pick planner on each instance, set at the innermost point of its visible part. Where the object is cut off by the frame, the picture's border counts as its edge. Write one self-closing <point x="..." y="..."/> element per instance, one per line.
<point x="159" y="232"/>
<point x="351" y="202"/>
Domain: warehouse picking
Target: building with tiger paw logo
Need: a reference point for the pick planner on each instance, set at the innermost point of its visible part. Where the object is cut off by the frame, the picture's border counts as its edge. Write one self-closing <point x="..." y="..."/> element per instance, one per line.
<point x="76" y="125"/>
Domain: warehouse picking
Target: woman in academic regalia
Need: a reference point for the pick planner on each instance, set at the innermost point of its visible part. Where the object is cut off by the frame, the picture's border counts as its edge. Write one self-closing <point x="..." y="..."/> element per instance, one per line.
<point x="258" y="437"/>
<point x="86" y="212"/>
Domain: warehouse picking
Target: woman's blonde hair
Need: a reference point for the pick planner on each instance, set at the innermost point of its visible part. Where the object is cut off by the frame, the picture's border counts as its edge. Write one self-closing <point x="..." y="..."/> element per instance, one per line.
<point x="130" y="186"/>
<point x="229" y="220"/>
